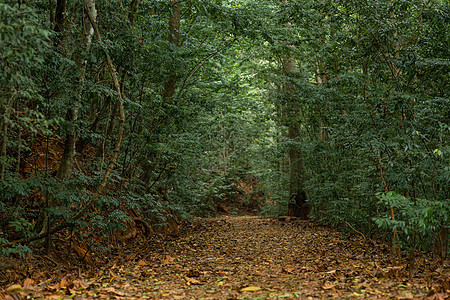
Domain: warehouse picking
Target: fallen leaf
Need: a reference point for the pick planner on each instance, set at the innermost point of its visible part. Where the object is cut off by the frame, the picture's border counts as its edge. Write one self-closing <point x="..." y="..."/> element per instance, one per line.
<point x="251" y="289"/>
<point x="13" y="288"/>
<point x="28" y="283"/>
<point x="288" y="270"/>
<point x="192" y="280"/>
<point x="130" y="256"/>
<point x="328" y="286"/>
<point x="83" y="254"/>
<point x="52" y="287"/>
<point x="63" y="284"/>
<point x="408" y="296"/>
<point x="81" y="284"/>
<point x="142" y="263"/>
<point x="437" y="296"/>
<point x="113" y="291"/>
<point x="168" y="260"/>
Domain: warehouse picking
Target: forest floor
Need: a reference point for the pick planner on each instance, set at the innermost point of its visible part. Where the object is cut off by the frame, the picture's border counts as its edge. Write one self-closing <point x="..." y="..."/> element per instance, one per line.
<point x="243" y="258"/>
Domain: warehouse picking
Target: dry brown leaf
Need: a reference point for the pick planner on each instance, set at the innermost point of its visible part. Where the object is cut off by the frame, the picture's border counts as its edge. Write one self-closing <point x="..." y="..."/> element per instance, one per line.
<point x="168" y="260"/>
<point x="192" y="280"/>
<point x="113" y="291"/>
<point x="83" y="254"/>
<point x="142" y="263"/>
<point x="130" y="256"/>
<point x="321" y="268"/>
<point x="437" y="296"/>
<point x="288" y="270"/>
<point x="81" y="284"/>
<point x="51" y="288"/>
<point x="328" y="286"/>
<point x="28" y="283"/>
<point x="53" y="297"/>
<point x="407" y="296"/>
<point x="63" y="284"/>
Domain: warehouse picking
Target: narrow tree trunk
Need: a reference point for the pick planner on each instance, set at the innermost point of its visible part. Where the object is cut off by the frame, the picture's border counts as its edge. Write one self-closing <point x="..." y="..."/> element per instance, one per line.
<point x="19" y="151"/>
<point x="441" y="243"/>
<point x="66" y="166"/>
<point x="3" y="141"/>
<point x="52" y="12"/>
<point x="120" y="130"/>
<point x="133" y="8"/>
<point x="59" y="20"/>
<point x="174" y="38"/>
<point x="297" y="206"/>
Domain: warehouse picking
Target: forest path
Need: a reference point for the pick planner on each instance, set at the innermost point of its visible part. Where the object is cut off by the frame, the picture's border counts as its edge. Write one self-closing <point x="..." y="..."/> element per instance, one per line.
<point x="252" y="258"/>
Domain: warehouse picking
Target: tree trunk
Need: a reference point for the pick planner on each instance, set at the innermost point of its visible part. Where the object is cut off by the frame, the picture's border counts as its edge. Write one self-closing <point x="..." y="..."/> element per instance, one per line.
<point x="66" y="165"/>
<point x="59" y="20"/>
<point x="174" y="39"/>
<point x="297" y="206"/>
<point x="133" y="8"/>
<point x="120" y="130"/>
<point x="3" y="140"/>
<point x="441" y="243"/>
<point x="67" y="159"/>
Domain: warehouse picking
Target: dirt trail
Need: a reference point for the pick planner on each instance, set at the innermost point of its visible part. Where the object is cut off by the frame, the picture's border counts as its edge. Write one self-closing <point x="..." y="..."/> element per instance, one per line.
<point x="253" y="258"/>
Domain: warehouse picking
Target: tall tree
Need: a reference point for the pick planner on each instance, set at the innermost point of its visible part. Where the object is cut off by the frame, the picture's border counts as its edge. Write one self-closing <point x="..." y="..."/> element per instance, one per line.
<point x="291" y="113"/>
<point x="173" y="39"/>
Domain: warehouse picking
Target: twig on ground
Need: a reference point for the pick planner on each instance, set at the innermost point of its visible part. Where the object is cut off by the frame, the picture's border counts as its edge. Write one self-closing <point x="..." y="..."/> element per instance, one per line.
<point x="356" y="230"/>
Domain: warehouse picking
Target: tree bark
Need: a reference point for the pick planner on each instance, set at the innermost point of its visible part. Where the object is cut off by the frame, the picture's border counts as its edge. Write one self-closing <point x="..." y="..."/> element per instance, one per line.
<point x="120" y="131"/>
<point x="174" y="39"/>
<point x="60" y="15"/>
<point x="133" y="8"/>
<point x="59" y="21"/>
<point x="66" y="166"/>
<point x="297" y="206"/>
<point x="3" y="141"/>
<point x="52" y="12"/>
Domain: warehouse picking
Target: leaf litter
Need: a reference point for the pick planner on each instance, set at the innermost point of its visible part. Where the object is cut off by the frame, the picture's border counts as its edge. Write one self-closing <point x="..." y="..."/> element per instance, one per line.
<point x="244" y="258"/>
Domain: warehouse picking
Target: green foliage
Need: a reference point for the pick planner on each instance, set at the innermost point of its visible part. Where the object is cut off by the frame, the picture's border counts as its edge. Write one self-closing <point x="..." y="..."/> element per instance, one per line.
<point x="18" y="249"/>
<point x="369" y="120"/>
<point x="416" y="222"/>
<point x="23" y="41"/>
<point x="370" y="97"/>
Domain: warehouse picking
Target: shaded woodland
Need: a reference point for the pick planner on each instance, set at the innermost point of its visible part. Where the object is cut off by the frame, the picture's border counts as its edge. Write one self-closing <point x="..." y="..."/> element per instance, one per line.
<point x="120" y="120"/>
